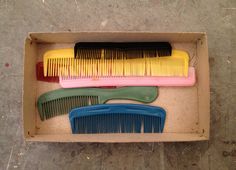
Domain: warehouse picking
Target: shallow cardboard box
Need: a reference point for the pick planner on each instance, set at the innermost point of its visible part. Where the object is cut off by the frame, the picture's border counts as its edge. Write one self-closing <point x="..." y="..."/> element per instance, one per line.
<point x="188" y="108"/>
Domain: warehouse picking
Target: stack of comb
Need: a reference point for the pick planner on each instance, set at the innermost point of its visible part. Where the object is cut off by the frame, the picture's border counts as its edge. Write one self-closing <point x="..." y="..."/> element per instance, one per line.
<point x="89" y="65"/>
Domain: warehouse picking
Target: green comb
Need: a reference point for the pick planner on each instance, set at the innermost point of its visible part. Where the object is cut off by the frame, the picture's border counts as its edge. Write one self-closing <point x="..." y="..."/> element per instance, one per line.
<point x="61" y="101"/>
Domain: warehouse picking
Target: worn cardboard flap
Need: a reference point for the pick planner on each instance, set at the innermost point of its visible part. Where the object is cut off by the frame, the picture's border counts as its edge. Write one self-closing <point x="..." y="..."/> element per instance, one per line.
<point x="69" y="37"/>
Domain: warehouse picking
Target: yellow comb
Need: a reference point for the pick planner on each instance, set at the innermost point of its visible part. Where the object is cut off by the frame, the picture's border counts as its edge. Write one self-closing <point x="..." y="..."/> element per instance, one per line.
<point x="62" y="63"/>
<point x="55" y="58"/>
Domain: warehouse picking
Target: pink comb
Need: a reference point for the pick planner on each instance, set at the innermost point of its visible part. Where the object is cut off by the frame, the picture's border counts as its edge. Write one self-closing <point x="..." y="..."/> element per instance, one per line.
<point x="73" y="82"/>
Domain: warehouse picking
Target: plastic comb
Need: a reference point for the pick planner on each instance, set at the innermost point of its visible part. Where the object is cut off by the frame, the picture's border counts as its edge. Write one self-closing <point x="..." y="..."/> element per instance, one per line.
<point x="117" y="118"/>
<point x="73" y="82"/>
<point x="40" y="76"/>
<point x="62" y="63"/>
<point x="61" y="101"/>
<point x="109" y="50"/>
<point x="54" y="59"/>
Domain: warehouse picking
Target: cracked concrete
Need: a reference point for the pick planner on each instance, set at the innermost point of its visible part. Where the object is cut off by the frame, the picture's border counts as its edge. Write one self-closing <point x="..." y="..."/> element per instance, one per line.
<point x="216" y="17"/>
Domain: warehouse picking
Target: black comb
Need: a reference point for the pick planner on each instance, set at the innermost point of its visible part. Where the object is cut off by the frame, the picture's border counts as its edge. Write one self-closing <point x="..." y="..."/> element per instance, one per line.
<point x="95" y="50"/>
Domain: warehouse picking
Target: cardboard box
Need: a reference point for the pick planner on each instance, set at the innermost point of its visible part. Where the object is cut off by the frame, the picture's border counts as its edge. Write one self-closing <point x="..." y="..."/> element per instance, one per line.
<point x="188" y="108"/>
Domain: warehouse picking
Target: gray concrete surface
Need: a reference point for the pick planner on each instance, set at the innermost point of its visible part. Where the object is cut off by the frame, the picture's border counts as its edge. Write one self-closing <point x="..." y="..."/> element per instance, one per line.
<point x="216" y="17"/>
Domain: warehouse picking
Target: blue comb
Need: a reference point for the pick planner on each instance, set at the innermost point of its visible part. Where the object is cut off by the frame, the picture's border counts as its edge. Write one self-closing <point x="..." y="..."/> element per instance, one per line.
<point x="117" y="118"/>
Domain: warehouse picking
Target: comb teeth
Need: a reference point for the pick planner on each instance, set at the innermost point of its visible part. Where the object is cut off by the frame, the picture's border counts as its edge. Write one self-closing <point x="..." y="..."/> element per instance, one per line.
<point x="64" y="105"/>
<point x="55" y="59"/>
<point x="119" y="54"/>
<point x="88" y="50"/>
<point x="176" y="65"/>
<point x="117" y="118"/>
<point x="75" y="82"/>
<point x="117" y="123"/>
<point x="40" y="75"/>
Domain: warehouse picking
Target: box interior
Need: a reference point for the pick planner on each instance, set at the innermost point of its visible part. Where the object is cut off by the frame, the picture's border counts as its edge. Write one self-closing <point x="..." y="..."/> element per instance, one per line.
<point x="187" y="108"/>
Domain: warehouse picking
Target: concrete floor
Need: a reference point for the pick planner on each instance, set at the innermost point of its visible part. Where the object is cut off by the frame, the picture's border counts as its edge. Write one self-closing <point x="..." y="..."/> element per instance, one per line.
<point x="216" y="17"/>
